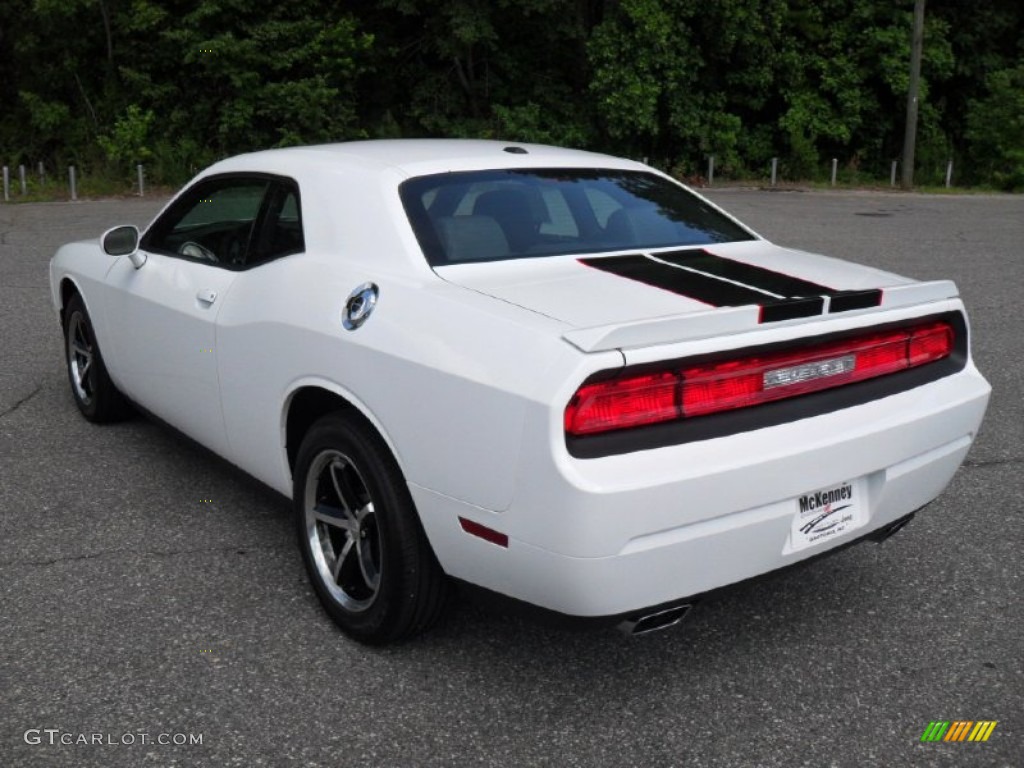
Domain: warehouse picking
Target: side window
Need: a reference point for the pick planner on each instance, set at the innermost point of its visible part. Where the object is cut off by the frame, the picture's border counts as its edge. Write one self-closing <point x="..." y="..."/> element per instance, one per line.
<point x="213" y="222"/>
<point x="281" y="231"/>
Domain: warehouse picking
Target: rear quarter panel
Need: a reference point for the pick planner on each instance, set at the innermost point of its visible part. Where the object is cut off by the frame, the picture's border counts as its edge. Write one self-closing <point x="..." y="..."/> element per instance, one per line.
<point x="444" y="372"/>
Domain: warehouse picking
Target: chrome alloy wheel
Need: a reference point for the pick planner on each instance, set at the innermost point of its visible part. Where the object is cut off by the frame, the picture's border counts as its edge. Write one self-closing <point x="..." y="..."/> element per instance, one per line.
<point x="344" y="538"/>
<point x="80" y="359"/>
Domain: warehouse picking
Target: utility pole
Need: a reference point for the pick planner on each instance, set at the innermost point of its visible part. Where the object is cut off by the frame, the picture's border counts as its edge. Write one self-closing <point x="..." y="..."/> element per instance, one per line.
<point x="910" y="135"/>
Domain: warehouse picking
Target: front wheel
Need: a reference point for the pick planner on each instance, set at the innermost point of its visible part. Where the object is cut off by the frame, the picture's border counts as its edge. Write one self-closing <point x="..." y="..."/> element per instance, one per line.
<point x="95" y="394"/>
<point x="361" y="540"/>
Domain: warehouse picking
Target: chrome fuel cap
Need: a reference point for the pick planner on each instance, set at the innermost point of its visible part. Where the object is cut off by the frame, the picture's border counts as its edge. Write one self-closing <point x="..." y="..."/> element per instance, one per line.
<point x="359" y="306"/>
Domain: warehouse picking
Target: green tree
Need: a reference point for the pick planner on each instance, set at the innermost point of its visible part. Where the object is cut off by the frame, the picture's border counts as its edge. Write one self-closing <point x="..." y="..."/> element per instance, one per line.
<point x="996" y="129"/>
<point x="178" y="83"/>
<point x="512" y="69"/>
<point x="236" y="77"/>
<point x="129" y="141"/>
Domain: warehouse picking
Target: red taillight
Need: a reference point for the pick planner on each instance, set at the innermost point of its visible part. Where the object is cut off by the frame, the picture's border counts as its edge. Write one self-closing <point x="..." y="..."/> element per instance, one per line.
<point x="752" y="380"/>
<point x="932" y="342"/>
<point x="755" y="380"/>
<point x="621" y="403"/>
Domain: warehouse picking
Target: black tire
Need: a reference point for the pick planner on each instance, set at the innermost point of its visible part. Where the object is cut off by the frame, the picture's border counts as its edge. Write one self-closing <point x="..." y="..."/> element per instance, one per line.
<point x="94" y="393"/>
<point x="360" y="536"/>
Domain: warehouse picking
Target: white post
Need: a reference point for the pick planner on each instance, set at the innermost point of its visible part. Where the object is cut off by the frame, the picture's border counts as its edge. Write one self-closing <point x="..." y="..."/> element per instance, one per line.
<point x="21" y="173"/>
<point x="711" y="170"/>
<point x="775" y="167"/>
<point x="42" y="173"/>
<point x="835" y="163"/>
<point x="71" y="178"/>
<point x="892" y="175"/>
<point x="7" y="184"/>
<point x="141" y="189"/>
<point x="949" y="173"/>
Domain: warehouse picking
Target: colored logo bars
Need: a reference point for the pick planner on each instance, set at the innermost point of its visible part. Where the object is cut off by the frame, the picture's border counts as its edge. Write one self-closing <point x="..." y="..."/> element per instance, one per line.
<point x="958" y="730"/>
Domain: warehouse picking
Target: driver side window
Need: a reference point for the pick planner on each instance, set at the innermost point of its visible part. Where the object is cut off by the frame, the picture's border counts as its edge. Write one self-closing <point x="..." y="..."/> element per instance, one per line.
<point x="213" y="222"/>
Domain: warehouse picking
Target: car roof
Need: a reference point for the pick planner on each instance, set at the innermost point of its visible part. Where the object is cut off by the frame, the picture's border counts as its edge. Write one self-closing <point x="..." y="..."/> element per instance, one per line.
<point x="418" y="157"/>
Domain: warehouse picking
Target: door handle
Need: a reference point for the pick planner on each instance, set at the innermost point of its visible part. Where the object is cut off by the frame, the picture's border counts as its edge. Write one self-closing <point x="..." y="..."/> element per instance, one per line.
<point x="206" y="296"/>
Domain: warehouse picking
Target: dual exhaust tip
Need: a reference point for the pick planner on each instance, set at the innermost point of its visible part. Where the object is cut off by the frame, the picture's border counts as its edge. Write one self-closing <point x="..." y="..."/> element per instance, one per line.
<point x="653" y="622"/>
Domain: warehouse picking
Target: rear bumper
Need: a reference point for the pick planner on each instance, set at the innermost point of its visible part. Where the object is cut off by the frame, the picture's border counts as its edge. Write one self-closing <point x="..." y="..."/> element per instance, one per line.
<point x="628" y="621"/>
<point x="616" y="535"/>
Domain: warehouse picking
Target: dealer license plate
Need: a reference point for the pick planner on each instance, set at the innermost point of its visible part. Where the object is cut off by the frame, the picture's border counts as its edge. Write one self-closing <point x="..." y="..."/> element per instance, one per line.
<point x="826" y="514"/>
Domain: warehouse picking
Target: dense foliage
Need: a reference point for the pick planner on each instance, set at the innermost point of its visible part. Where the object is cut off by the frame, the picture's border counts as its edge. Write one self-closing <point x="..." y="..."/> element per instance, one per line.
<point x="178" y="83"/>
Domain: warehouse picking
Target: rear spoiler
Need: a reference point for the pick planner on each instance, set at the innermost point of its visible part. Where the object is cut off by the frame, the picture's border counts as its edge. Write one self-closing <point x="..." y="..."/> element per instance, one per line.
<point x="728" y="320"/>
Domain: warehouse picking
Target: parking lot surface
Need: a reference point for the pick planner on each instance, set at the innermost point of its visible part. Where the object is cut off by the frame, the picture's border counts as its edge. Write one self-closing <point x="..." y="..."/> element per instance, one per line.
<point x="149" y="590"/>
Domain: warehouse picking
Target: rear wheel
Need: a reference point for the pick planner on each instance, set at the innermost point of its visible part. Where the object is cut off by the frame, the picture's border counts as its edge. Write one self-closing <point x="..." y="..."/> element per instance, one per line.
<point x="361" y="540"/>
<point x="95" y="394"/>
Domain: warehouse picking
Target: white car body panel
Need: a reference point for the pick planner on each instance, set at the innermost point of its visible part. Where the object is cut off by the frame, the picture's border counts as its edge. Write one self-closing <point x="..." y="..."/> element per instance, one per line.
<point x="163" y="341"/>
<point x="562" y="288"/>
<point x="388" y="385"/>
<point x="466" y="370"/>
<point x="706" y="513"/>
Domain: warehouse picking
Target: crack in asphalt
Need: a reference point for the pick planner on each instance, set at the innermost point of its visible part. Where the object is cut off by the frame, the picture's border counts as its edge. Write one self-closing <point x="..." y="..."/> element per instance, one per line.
<point x="993" y="462"/>
<point x="151" y="553"/>
<point x="21" y="402"/>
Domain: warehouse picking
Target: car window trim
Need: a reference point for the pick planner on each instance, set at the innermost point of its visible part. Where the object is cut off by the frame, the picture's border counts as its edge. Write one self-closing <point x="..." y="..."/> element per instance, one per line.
<point x="279" y="185"/>
<point x="270" y="178"/>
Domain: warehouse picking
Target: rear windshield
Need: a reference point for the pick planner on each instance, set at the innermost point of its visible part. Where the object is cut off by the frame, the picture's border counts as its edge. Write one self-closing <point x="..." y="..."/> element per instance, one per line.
<point x="514" y="214"/>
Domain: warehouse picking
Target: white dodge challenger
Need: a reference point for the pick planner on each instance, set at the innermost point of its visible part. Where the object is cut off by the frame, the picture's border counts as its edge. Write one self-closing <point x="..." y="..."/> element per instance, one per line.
<point x="555" y="375"/>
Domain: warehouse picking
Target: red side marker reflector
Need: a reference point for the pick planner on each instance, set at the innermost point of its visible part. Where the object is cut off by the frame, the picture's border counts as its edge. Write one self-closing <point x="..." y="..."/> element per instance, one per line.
<point x="485" y="533"/>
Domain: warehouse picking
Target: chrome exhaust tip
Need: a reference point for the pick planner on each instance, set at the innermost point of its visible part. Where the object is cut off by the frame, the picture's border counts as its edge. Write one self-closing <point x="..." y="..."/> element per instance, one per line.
<point x="653" y="622"/>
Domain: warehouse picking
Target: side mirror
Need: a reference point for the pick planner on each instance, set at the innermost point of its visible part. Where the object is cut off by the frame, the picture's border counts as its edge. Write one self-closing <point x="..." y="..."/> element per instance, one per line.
<point x="123" y="241"/>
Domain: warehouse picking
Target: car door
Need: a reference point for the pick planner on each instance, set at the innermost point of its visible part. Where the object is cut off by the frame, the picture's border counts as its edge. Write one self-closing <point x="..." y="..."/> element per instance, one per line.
<point x="163" y="315"/>
<point x="257" y="341"/>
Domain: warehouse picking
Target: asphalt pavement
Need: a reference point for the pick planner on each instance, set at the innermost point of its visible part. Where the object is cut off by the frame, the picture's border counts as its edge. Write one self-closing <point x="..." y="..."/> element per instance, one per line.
<point x="150" y="592"/>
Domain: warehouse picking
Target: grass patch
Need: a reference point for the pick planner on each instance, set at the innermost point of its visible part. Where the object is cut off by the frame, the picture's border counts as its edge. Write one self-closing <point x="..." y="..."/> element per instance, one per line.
<point x="88" y="187"/>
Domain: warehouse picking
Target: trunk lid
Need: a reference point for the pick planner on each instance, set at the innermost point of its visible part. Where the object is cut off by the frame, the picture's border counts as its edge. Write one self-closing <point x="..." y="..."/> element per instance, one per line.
<point x="639" y="299"/>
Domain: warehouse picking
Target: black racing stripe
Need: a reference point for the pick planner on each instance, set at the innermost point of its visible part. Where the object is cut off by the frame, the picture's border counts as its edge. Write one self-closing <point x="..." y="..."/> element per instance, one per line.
<point x="748" y="274"/>
<point x="709" y="290"/>
<point x="844" y="301"/>
<point x="787" y="309"/>
<point x="775" y="282"/>
<point x="679" y="281"/>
